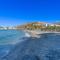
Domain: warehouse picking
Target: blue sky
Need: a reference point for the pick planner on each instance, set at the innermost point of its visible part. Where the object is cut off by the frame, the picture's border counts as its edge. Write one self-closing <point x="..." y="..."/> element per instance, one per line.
<point x="15" y="12"/>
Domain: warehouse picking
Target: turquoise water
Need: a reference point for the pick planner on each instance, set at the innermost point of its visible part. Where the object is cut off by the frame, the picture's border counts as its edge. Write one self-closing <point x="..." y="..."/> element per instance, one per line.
<point x="8" y="39"/>
<point x="10" y="36"/>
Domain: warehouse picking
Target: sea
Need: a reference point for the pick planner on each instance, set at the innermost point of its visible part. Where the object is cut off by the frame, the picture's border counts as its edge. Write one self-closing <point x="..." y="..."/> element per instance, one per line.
<point x="19" y="45"/>
<point x="8" y="40"/>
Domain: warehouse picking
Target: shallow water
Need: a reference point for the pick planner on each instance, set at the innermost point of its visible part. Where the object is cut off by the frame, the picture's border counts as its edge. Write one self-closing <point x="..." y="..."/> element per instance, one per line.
<point x="8" y="39"/>
<point x="10" y="36"/>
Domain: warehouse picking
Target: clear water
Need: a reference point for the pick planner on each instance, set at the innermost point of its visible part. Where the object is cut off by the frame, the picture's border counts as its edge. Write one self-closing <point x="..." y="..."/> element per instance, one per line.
<point x="47" y="47"/>
<point x="8" y="38"/>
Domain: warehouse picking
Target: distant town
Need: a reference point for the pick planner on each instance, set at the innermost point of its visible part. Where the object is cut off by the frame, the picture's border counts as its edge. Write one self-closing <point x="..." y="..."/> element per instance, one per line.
<point x="43" y="26"/>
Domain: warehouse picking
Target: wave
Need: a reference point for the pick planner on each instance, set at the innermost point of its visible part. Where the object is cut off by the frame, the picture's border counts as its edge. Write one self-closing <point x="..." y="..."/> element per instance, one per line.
<point x="27" y="34"/>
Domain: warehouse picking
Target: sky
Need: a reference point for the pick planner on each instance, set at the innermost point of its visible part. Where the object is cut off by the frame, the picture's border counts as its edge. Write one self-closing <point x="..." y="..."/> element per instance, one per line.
<point x="16" y="12"/>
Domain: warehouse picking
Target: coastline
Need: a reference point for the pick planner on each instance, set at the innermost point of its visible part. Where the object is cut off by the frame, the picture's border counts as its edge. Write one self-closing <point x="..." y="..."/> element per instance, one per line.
<point x="36" y="33"/>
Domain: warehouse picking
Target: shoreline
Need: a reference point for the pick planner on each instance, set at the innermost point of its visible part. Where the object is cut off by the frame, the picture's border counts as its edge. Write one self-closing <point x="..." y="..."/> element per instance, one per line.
<point x="36" y="33"/>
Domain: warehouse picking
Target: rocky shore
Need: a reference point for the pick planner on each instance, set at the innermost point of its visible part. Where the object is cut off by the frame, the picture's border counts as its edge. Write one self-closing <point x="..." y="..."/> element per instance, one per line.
<point x="37" y="33"/>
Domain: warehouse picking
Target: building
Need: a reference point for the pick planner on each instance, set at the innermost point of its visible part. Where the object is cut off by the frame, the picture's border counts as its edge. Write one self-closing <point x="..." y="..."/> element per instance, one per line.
<point x="40" y="24"/>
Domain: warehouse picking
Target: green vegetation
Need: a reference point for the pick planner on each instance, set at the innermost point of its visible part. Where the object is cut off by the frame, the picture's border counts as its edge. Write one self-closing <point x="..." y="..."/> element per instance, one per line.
<point x="53" y="28"/>
<point x="38" y="26"/>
